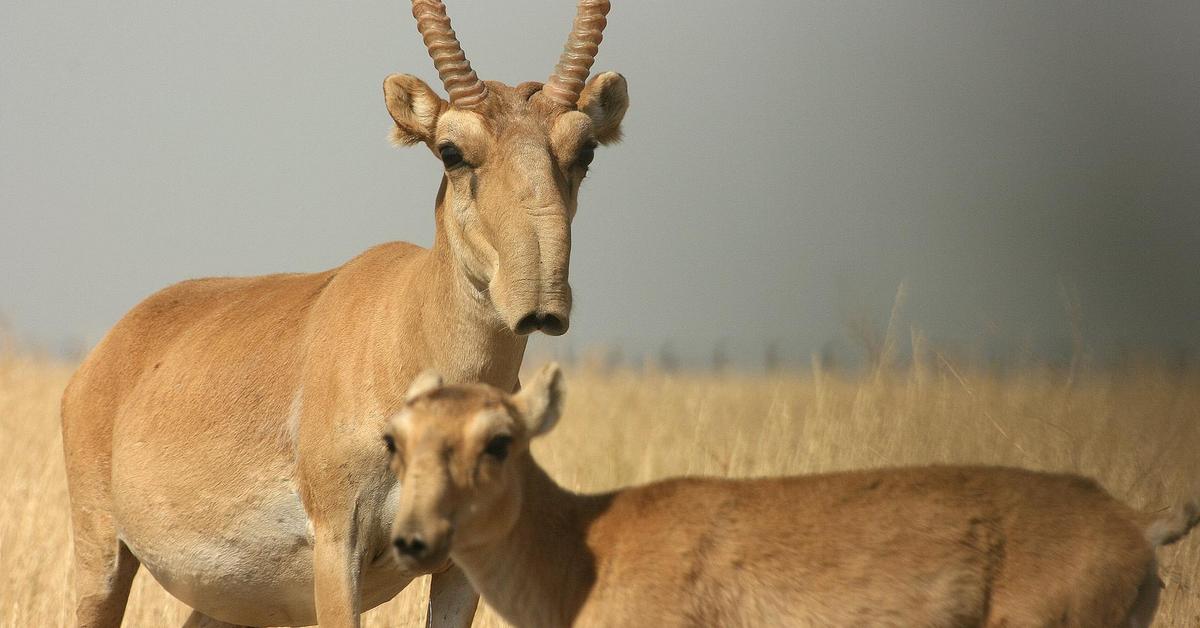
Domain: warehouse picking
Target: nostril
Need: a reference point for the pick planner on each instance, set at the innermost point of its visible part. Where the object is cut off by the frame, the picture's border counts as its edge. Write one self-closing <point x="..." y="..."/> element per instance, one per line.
<point x="528" y="324"/>
<point x="553" y="325"/>
<point x="413" y="546"/>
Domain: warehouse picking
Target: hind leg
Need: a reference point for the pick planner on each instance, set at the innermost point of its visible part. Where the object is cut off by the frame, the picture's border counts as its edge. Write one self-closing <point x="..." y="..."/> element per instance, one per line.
<point x="104" y="571"/>
<point x="104" y="566"/>
<point x="200" y="620"/>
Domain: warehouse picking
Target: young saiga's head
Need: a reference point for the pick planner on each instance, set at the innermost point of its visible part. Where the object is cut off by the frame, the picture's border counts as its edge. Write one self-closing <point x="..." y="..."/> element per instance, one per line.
<point x="460" y="452"/>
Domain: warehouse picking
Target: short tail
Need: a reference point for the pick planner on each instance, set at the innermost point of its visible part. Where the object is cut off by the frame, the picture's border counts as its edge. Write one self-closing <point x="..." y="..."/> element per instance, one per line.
<point x="1174" y="525"/>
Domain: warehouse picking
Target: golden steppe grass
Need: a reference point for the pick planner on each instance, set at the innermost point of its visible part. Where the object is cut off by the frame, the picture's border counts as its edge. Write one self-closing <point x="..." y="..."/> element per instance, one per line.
<point x="1136" y="429"/>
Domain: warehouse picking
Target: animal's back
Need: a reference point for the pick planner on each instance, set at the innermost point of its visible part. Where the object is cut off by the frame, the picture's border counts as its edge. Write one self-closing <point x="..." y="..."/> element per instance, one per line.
<point x="228" y="341"/>
<point x="204" y="324"/>
<point x="936" y="546"/>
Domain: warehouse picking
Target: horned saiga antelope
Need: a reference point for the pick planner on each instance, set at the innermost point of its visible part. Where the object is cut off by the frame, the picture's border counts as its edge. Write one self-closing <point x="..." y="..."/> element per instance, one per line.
<point x="225" y="433"/>
<point x="935" y="547"/>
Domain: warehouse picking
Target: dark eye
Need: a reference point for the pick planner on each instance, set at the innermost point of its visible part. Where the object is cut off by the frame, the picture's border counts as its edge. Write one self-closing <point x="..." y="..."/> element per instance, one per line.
<point x="586" y="154"/>
<point x="498" y="447"/>
<point x="451" y="156"/>
<point x="390" y="443"/>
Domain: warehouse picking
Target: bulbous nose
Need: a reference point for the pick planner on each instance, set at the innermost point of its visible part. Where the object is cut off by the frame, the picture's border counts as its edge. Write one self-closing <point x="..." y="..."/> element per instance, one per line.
<point x="548" y="323"/>
<point x="411" y="545"/>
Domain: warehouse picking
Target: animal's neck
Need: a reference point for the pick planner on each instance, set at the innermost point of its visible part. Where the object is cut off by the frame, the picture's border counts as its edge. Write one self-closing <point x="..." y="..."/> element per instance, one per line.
<point x="457" y="329"/>
<point x="471" y="335"/>
<point x="542" y="571"/>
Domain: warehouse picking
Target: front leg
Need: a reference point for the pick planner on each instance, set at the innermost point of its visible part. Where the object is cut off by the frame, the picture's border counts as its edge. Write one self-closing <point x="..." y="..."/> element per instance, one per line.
<point x="336" y="589"/>
<point x="452" y="600"/>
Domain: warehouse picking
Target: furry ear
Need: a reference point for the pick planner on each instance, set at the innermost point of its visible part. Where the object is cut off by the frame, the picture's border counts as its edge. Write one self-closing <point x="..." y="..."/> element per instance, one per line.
<point x="414" y="106"/>
<point x="605" y="99"/>
<point x="427" y="381"/>
<point x="540" y="402"/>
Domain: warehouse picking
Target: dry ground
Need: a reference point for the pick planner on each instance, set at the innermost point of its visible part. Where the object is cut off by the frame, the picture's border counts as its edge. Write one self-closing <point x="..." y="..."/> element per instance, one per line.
<point x="1138" y="430"/>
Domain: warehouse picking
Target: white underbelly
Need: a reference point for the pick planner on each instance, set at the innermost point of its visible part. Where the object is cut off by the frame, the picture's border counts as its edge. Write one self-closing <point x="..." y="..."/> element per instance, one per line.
<point x="251" y="565"/>
<point x="247" y="564"/>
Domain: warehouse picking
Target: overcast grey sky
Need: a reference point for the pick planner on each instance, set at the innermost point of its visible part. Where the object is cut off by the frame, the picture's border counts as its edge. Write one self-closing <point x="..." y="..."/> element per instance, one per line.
<point x="786" y="164"/>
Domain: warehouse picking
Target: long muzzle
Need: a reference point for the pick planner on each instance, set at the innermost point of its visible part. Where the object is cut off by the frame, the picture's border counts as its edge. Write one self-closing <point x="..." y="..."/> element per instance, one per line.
<point x="531" y="287"/>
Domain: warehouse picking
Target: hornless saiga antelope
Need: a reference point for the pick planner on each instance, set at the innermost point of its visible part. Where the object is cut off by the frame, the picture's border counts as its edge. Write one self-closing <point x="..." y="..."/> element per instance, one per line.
<point x="920" y="547"/>
<point x="225" y="433"/>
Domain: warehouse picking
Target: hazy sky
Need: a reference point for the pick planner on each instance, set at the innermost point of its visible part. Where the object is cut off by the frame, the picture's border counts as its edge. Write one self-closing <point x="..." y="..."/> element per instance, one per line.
<point x="786" y="164"/>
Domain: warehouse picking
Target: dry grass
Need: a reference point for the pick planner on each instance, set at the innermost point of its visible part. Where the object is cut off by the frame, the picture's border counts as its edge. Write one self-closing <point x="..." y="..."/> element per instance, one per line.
<point x="1137" y="430"/>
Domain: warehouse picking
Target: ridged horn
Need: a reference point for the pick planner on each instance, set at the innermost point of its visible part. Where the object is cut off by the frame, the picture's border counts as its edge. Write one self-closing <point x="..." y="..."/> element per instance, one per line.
<point x="463" y="86"/>
<point x="565" y="85"/>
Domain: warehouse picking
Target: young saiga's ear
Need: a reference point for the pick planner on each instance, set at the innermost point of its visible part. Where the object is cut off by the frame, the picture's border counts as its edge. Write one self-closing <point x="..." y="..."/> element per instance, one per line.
<point x="540" y="401"/>
<point x="427" y="381"/>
